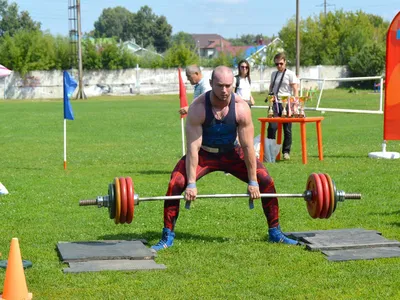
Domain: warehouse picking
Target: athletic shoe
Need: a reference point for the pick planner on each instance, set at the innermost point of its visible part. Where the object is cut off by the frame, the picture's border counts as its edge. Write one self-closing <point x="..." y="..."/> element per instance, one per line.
<point x="276" y="236"/>
<point x="286" y="156"/>
<point x="167" y="240"/>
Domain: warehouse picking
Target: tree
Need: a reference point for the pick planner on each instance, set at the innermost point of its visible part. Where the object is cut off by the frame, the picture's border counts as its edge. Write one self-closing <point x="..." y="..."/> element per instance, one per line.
<point x="334" y="39"/>
<point x="113" y="23"/>
<point x="184" y="38"/>
<point x="162" y="34"/>
<point x="144" y="26"/>
<point x="28" y="50"/>
<point x="11" y="21"/>
<point x="180" y="55"/>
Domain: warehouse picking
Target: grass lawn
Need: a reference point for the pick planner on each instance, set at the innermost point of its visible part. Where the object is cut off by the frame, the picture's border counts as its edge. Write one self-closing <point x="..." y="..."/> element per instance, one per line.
<point x="221" y="249"/>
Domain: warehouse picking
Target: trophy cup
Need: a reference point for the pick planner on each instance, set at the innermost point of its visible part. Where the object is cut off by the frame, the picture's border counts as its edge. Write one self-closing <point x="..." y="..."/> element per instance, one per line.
<point x="301" y="107"/>
<point x="284" y="104"/>
<point x="271" y="99"/>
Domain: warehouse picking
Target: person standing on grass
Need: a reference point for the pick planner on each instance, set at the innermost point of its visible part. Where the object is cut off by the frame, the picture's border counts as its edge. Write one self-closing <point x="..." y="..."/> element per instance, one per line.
<point x="201" y="85"/>
<point x="283" y="83"/>
<point x="243" y="82"/>
<point x="214" y="121"/>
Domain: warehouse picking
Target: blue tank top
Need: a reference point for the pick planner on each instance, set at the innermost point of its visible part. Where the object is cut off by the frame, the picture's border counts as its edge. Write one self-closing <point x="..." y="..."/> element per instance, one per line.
<point x="220" y="134"/>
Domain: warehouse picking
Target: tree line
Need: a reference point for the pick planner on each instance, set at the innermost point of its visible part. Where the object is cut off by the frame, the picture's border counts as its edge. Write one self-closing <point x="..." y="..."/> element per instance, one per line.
<point x="355" y="39"/>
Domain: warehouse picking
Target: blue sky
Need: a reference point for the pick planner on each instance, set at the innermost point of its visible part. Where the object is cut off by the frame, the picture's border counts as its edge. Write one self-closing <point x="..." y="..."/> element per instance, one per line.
<point x="229" y="18"/>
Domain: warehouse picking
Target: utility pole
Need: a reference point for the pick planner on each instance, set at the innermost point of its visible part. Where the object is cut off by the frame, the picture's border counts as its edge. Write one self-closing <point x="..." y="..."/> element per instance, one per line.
<point x="75" y="34"/>
<point x="325" y="5"/>
<point x="297" y="38"/>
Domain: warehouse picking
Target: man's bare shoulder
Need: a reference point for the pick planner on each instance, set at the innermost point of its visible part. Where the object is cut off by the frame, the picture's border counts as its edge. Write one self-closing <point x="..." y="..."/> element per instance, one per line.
<point x="196" y="111"/>
<point x="243" y="113"/>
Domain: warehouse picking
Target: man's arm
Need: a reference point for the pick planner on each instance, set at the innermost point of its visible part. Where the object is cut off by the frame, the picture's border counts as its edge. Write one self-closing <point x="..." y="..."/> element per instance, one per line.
<point x="246" y="139"/>
<point x="194" y="133"/>
<point x="295" y="89"/>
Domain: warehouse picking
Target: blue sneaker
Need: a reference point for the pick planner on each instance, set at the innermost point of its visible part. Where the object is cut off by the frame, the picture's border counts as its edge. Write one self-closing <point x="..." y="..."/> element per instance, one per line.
<point x="167" y="240"/>
<point x="276" y="236"/>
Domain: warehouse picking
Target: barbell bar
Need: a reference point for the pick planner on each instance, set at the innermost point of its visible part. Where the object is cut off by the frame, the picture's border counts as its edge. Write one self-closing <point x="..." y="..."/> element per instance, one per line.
<point x="321" y="196"/>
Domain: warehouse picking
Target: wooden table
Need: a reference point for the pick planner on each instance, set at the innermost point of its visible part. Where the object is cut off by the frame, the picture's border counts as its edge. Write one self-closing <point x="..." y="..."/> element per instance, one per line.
<point x="302" y="122"/>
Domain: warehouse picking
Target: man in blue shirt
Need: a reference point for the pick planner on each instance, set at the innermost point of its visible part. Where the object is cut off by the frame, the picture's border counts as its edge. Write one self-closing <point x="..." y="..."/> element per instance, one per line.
<point x="200" y="84"/>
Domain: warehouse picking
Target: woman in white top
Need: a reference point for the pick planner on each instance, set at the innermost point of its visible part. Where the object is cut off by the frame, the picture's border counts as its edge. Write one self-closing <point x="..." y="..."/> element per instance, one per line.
<point x="243" y="82"/>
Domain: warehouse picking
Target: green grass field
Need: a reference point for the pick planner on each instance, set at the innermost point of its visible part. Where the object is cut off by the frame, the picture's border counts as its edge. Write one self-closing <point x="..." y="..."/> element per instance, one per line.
<point x="221" y="249"/>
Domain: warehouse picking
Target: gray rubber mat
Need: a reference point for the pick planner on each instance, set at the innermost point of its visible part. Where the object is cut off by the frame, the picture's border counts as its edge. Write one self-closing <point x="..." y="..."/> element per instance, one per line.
<point x="104" y="250"/>
<point x="348" y="244"/>
<point x="113" y="265"/>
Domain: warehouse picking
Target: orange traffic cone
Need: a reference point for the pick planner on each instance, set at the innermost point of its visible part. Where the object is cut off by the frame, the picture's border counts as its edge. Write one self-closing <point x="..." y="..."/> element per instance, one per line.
<point x="14" y="283"/>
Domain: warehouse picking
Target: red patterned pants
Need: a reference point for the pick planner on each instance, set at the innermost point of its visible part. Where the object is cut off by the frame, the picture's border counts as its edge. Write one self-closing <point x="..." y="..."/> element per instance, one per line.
<point x="231" y="162"/>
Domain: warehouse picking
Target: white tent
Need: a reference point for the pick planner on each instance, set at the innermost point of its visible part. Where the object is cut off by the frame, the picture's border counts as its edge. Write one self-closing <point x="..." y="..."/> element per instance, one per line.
<point x="4" y="72"/>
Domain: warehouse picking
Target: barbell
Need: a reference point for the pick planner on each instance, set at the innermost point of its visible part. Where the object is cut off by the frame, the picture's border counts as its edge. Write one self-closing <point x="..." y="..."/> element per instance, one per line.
<point x="321" y="197"/>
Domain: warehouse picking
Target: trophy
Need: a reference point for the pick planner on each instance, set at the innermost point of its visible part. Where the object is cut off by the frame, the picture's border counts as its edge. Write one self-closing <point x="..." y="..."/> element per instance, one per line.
<point x="271" y="99"/>
<point x="284" y="104"/>
<point x="301" y="106"/>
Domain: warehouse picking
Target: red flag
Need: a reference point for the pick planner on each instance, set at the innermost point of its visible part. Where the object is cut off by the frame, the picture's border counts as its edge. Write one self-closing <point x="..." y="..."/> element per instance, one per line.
<point x="391" y="122"/>
<point x="182" y="92"/>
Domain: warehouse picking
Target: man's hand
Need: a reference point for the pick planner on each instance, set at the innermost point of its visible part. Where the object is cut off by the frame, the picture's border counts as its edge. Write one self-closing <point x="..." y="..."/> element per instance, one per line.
<point x="184" y="110"/>
<point x="254" y="191"/>
<point x="190" y="194"/>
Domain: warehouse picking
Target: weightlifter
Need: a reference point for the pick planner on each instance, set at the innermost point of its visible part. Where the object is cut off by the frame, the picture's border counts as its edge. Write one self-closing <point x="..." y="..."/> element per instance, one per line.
<point x="214" y="121"/>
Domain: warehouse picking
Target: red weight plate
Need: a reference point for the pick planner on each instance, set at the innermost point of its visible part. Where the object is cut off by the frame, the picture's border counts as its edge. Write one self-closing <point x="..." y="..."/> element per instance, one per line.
<point x="331" y="196"/>
<point x="124" y="200"/>
<point x="117" y="200"/>
<point x="131" y="203"/>
<point x="326" y="199"/>
<point x="315" y="204"/>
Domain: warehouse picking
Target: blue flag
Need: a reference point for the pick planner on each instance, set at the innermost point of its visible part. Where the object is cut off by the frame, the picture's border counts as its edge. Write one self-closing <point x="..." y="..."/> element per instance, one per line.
<point x="69" y="86"/>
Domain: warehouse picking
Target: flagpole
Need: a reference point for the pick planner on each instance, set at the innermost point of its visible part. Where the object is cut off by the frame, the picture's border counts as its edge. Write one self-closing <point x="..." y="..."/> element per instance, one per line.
<point x="183" y="137"/>
<point x="65" y="144"/>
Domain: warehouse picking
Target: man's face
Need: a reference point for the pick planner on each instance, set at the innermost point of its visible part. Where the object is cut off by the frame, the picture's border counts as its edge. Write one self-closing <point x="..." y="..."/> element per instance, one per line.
<point x="222" y="85"/>
<point x="194" y="78"/>
<point x="280" y="64"/>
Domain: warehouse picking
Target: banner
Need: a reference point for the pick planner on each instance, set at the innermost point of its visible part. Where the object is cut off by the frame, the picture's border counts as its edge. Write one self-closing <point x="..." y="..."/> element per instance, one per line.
<point x="391" y="123"/>
<point x="69" y="86"/>
<point x="182" y="92"/>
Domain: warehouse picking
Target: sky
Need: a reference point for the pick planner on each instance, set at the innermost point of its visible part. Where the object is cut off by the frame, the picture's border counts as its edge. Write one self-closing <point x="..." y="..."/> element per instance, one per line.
<point x="229" y="18"/>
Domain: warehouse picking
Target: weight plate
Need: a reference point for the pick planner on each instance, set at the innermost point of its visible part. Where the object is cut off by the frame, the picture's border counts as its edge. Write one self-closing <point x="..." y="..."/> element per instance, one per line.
<point x="326" y="199"/>
<point x="111" y="200"/>
<point x="117" y="200"/>
<point x="124" y="200"/>
<point x="131" y="202"/>
<point x="332" y="196"/>
<point x="315" y="204"/>
<point x="335" y="195"/>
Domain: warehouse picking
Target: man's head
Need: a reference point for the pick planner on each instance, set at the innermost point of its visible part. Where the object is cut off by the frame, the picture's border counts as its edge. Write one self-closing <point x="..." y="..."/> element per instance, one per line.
<point x="193" y="74"/>
<point x="280" y="61"/>
<point x="221" y="83"/>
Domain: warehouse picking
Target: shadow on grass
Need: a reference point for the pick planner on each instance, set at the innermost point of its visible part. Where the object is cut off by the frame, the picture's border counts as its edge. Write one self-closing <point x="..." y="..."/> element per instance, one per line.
<point x="386" y="213"/>
<point x="156" y="235"/>
<point x="153" y="172"/>
<point x="395" y="224"/>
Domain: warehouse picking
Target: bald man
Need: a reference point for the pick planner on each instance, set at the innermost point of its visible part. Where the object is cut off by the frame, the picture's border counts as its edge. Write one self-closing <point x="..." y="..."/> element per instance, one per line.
<point x="200" y="84"/>
<point x="214" y="121"/>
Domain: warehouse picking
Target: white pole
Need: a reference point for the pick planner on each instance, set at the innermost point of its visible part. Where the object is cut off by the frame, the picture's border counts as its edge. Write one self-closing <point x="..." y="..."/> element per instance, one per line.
<point x="183" y="137"/>
<point x="65" y="144"/>
<point x="381" y="95"/>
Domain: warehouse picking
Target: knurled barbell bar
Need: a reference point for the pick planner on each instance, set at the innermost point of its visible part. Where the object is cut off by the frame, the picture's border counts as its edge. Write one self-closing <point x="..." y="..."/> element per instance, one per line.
<point x="321" y="197"/>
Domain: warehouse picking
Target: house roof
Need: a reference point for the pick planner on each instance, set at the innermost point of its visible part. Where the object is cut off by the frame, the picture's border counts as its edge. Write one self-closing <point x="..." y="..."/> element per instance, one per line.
<point x="209" y="40"/>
